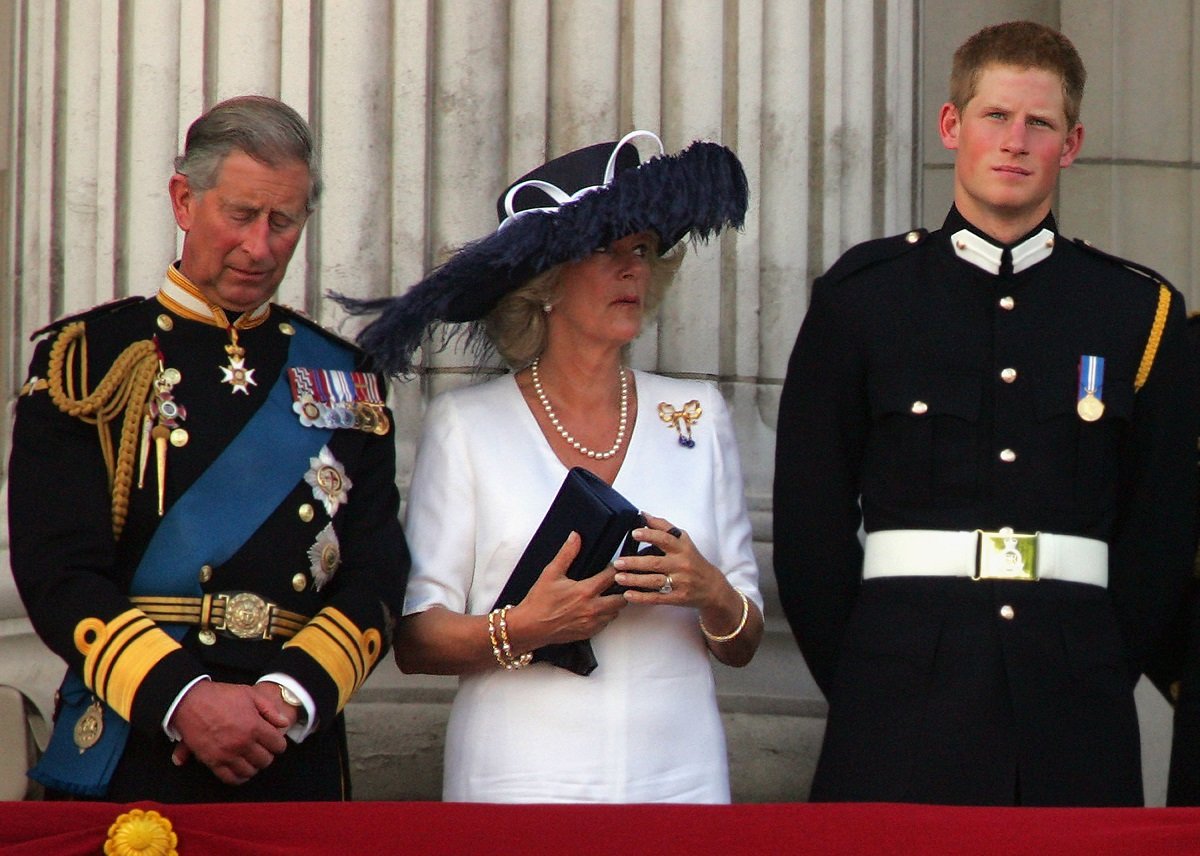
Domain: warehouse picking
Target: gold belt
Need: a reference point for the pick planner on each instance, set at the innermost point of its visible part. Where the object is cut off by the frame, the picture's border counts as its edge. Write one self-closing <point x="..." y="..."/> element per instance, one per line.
<point x="241" y="614"/>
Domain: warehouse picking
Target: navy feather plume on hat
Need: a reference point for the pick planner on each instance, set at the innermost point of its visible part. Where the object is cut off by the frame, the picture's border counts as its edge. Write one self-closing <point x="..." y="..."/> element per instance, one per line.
<point x="696" y="192"/>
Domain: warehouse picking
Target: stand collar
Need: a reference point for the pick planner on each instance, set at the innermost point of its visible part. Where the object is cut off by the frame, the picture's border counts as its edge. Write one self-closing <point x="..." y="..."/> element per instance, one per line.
<point x="970" y="245"/>
<point x="181" y="296"/>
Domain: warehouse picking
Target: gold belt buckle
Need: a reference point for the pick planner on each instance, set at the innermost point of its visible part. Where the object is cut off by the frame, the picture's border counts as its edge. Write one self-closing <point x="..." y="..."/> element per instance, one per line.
<point x="247" y="616"/>
<point x="1006" y="555"/>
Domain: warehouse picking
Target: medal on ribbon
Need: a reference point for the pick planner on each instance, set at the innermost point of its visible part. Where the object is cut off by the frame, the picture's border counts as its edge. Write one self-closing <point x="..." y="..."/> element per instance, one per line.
<point x="338" y="399"/>
<point x="1090" y="397"/>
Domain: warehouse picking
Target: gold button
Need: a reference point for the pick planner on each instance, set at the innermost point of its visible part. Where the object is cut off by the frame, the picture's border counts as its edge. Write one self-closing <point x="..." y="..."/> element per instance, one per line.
<point x="306" y="512"/>
<point x="179" y="437"/>
<point x="1008" y="375"/>
<point x="1007" y="303"/>
<point x="1007" y="612"/>
<point x="172" y="376"/>
<point x="287" y="329"/>
<point x="299" y="582"/>
<point x="207" y="637"/>
<point x="913" y="236"/>
<point x="1008" y="456"/>
<point x="205" y="573"/>
<point x="165" y="322"/>
<point x="919" y="407"/>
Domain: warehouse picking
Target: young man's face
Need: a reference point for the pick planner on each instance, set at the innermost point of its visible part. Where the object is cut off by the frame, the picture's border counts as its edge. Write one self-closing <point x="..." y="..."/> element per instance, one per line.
<point x="1011" y="140"/>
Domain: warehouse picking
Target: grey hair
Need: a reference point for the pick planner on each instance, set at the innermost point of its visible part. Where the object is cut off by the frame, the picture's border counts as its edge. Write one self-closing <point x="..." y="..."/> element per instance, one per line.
<point x="516" y="327"/>
<point x="266" y="129"/>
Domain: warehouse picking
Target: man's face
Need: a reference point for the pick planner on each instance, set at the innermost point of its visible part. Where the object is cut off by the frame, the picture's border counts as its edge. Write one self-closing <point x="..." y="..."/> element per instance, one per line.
<point x="241" y="232"/>
<point x="1011" y="140"/>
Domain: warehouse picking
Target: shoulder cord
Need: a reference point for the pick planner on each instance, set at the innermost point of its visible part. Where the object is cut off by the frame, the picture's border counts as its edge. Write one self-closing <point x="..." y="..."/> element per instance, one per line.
<point x="126" y="387"/>
<point x="1156" y="331"/>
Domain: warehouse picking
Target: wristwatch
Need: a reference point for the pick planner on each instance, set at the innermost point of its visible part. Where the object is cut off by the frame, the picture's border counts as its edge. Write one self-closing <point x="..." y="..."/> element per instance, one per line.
<point x="293" y="700"/>
<point x="289" y="697"/>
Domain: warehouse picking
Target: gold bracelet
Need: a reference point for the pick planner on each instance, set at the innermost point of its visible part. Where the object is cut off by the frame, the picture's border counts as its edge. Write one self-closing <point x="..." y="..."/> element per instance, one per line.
<point x="496" y="652"/>
<point x="741" y="624"/>
<point x="501" y="647"/>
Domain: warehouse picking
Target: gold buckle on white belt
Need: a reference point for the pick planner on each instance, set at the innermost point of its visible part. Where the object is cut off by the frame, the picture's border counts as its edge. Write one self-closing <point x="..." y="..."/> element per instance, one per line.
<point x="1006" y="555"/>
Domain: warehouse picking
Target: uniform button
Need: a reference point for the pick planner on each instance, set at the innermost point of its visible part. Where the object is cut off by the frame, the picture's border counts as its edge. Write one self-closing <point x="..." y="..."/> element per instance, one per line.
<point x="1008" y="456"/>
<point x="179" y="438"/>
<point x="1008" y="375"/>
<point x="306" y="512"/>
<point x="205" y="573"/>
<point x="165" y="322"/>
<point x="1007" y="303"/>
<point x="919" y="407"/>
<point x="1007" y="612"/>
<point x="207" y="637"/>
<point x="287" y="329"/>
<point x="299" y="582"/>
<point x="913" y="237"/>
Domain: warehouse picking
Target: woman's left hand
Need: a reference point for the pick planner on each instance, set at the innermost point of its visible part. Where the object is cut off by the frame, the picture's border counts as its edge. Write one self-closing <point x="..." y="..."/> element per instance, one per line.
<point x="681" y="576"/>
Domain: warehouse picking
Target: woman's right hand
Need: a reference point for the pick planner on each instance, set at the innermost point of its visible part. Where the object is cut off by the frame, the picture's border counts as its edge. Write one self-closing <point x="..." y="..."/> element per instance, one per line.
<point x="439" y="641"/>
<point x="560" y="609"/>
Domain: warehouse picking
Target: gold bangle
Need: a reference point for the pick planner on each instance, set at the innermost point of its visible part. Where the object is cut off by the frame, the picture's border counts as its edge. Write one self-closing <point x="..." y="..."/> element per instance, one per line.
<point x="741" y="624"/>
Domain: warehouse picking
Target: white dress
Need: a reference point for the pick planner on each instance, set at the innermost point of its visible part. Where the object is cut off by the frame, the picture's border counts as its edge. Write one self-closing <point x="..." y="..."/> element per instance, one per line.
<point x="644" y="725"/>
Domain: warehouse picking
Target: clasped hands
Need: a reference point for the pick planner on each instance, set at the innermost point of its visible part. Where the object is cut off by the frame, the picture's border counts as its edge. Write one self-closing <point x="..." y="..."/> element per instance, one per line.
<point x="235" y="730"/>
<point x="558" y="609"/>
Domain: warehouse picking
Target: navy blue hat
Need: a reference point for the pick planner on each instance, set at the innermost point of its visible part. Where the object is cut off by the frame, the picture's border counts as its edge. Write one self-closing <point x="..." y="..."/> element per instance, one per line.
<point x="561" y="212"/>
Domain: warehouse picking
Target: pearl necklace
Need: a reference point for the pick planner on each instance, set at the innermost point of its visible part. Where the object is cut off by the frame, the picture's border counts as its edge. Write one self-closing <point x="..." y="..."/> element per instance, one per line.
<point x="565" y="434"/>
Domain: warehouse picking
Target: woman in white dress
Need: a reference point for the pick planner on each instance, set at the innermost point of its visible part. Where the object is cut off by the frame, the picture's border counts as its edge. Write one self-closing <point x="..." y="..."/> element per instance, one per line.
<point x="560" y="290"/>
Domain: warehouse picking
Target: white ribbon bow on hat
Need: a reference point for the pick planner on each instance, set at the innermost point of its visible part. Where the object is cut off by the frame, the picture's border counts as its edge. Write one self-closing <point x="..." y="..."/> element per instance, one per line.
<point x="558" y="194"/>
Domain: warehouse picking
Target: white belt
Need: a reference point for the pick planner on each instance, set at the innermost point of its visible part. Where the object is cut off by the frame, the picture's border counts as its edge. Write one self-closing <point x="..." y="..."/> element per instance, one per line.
<point x="1004" y="555"/>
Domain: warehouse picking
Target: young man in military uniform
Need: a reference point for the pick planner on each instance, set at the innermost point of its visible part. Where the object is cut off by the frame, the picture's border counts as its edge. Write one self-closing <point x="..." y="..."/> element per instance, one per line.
<point x="202" y="508"/>
<point x="1008" y="414"/>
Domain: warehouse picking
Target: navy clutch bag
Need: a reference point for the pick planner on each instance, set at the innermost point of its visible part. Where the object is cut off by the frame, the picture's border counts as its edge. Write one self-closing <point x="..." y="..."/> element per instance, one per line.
<point x="603" y="518"/>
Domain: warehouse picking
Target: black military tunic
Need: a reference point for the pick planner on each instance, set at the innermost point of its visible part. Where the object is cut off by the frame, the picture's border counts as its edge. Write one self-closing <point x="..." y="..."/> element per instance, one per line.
<point x="926" y="392"/>
<point x="72" y="573"/>
<point x="1178" y="672"/>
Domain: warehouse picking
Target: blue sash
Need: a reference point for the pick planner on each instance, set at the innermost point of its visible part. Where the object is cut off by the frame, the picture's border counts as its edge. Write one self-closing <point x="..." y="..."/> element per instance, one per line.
<point x="207" y="525"/>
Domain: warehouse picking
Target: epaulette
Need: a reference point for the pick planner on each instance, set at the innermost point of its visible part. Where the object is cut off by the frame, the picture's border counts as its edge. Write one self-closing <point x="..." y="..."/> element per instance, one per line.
<point x="1150" y="273"/>
<point x="85" y="315"/>
<point x="868" y="253"/>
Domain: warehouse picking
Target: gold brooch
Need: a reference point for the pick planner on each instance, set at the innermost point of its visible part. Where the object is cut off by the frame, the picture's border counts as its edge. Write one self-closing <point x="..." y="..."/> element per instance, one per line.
<point x="682" y="419"/>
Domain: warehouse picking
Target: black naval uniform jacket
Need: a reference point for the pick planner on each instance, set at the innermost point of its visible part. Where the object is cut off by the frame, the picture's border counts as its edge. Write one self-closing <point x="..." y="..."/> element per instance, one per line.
<point x="948" y="689"/>
<point x="70" y="571"/>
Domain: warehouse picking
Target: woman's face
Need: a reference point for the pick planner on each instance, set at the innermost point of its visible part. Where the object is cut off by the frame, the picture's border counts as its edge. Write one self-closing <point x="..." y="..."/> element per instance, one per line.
<point x="602" y="298"/>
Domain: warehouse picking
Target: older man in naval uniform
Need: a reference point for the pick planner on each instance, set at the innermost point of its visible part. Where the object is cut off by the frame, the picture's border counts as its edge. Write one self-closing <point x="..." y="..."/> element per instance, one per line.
<point x="202" y="512"/>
